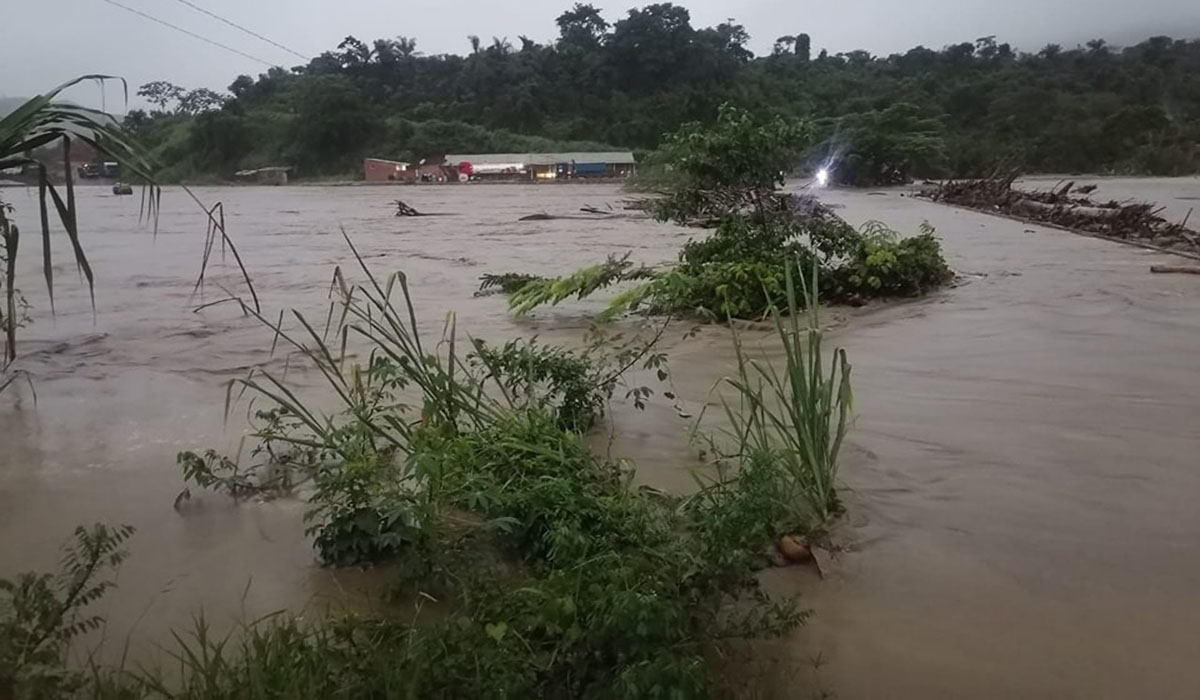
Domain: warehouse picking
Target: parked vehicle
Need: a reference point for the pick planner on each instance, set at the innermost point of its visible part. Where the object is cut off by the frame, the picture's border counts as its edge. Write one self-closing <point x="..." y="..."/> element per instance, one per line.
<point x="106" y="169"/>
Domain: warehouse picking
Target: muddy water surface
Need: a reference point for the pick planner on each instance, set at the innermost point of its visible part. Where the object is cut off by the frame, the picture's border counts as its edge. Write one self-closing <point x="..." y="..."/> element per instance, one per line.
<point x="1022" y="476"/>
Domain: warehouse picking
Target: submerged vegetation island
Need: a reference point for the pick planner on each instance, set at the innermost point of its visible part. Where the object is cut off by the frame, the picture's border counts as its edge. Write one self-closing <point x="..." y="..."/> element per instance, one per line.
<point x="608" y="82"/>
<point x="728" y="177"/>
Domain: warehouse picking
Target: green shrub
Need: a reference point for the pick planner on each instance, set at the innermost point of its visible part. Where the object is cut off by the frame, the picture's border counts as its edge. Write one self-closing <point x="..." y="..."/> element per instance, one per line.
<point x="884" y="265"/>
<point x="716" y="291"/>
<point x="40" y="614"/>
<point x="566" y="383"/>
<point x="557" y="577"/>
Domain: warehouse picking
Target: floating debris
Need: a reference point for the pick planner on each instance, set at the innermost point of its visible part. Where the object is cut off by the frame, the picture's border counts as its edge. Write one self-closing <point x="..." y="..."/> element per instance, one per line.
<point x="1176" y="269"/>
<point x="1069" y="207"/>
<point x="403" y="209"/>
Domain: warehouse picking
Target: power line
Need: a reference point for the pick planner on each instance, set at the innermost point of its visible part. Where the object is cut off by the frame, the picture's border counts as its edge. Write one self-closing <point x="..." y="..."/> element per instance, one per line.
<point x="189" y="33"/>
<point x="235" y="25"/>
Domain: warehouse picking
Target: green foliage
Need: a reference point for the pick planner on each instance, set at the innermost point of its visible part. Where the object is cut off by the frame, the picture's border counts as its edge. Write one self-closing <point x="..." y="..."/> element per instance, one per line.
<point x="738" y="238"/>
<point x="333" y="124"/>
<point x="558" y="577"/>
<point x="580" y="284"/>
<point x="630" y="79"/>
<point x="219" y="141"/>
<point x="717" y="291"/>
<point x="565" y="383"/>
<point x="616" y="596"/>
<point x="884" y="265"/>
<point x="882" y="147"/>
<point x="505" y="283"/>
<point x="592" y="588"/>
<point x="728" y="176"/>
<point x="736" y="162"/>
<point x="41" y="613"/>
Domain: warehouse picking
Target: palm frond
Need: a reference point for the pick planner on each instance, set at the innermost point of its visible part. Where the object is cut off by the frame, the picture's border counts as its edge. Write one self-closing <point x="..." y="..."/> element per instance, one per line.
<point x="42" y="121"/>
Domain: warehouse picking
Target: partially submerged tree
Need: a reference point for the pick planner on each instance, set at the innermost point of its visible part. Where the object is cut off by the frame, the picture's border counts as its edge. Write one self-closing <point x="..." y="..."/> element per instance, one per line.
<point x="735" y="163"/>
<point x="882" y="147"/>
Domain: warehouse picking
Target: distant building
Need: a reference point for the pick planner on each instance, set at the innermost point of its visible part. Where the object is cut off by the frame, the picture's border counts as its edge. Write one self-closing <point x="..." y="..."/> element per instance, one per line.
<point x="380" y="170"/>
<point x="275" y="175"/>
<point x="540" y="166"/>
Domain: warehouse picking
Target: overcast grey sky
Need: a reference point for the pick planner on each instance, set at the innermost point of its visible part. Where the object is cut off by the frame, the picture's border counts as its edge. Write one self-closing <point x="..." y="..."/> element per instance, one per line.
<point x="49" y="41"/>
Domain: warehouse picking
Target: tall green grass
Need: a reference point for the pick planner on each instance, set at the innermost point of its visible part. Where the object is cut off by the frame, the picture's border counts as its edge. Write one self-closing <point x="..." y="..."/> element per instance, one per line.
<point x="555" y="575"/>
<point x="795" y="410"/>
<point x="379" y="313"/>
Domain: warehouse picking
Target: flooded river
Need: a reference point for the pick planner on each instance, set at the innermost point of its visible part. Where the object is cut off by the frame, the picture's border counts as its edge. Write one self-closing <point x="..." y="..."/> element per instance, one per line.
<point x="1021" y="481"/>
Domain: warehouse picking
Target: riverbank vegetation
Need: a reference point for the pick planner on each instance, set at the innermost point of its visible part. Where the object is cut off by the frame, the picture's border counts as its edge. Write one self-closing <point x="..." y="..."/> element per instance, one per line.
<point x="727" y="177"/>
<point x="524" y="564"/>
<point x="626" y="81"/>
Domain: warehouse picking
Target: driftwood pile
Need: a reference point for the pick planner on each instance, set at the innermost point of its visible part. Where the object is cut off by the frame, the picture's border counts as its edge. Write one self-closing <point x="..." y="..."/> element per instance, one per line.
<point x="1070" y="207"/>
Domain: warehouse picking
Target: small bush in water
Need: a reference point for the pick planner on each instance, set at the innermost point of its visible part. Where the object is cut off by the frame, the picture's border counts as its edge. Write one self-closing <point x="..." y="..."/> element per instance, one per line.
<point x="40" y="614"/>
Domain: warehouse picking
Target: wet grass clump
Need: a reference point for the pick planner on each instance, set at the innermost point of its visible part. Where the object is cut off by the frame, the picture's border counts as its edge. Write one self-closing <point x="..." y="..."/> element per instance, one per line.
<point x="795" y="411"/>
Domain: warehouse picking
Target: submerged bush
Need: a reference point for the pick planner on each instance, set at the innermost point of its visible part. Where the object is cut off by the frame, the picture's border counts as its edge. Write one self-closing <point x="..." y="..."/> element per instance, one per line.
<point x="559" y="578"/>
<point x="40" y="614"/>
<point x="882" y="264"/>
<point x="568" y="384"/>
<point x="726" y="177"/>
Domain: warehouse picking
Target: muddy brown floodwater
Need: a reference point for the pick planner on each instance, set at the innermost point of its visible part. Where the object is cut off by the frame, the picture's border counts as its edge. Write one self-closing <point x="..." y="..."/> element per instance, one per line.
<point x="1021" y="481"/>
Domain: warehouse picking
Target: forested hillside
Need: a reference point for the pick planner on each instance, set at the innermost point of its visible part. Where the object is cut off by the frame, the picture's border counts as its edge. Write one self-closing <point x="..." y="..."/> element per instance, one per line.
<point x="953" y="110"/>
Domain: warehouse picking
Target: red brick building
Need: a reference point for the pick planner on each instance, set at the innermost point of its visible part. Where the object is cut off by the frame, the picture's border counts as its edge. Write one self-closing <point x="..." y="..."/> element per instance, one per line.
<point x="380" y="170"/>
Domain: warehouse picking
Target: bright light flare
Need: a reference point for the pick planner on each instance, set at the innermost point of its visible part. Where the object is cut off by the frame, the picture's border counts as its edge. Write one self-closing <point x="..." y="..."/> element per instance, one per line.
<point x="822" y="177"/>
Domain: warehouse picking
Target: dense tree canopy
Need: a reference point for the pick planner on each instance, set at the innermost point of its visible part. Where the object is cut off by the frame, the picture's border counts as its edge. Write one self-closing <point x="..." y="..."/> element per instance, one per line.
<point x="627" y="81"/>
